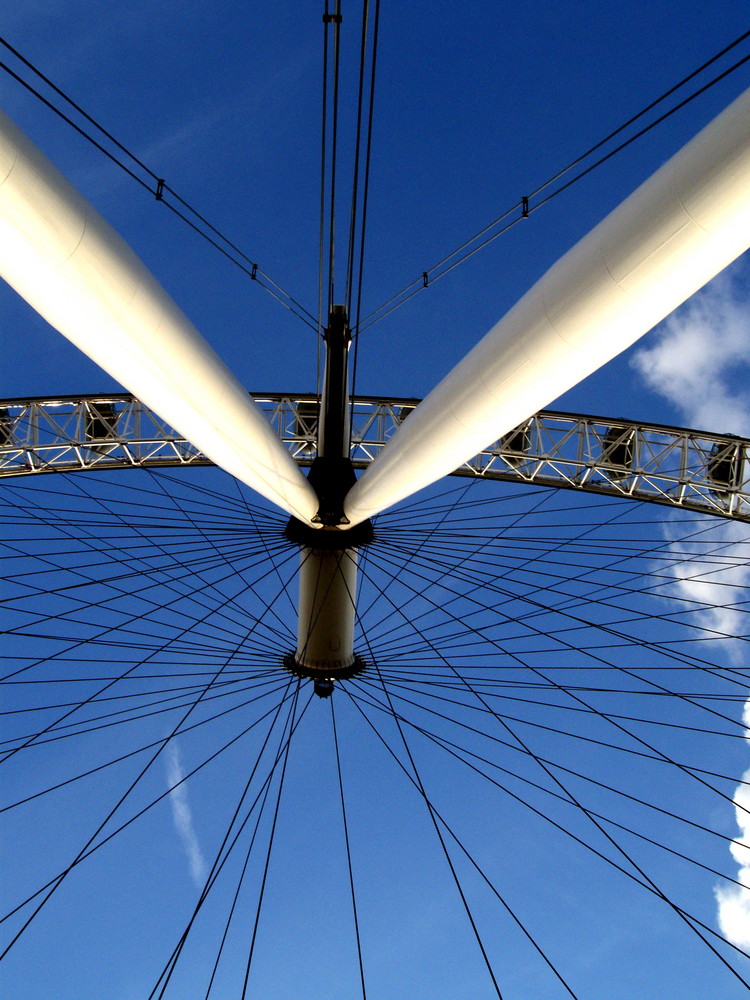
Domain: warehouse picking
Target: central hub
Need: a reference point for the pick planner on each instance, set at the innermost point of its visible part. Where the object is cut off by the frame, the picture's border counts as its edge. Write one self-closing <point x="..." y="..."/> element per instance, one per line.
<point x="326" y="611"/>
<point x="328" y="554"/>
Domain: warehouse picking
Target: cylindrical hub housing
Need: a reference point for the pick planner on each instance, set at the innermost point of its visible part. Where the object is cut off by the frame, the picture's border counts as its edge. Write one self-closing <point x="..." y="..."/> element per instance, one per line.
<point x="325" y="624"/>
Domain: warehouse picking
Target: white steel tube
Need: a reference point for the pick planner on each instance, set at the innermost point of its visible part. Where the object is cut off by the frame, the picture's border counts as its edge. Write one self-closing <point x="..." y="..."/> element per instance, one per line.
<point x="671" y="236"/>
<point x="73" y="268"/>
<point x="325" y="623"/>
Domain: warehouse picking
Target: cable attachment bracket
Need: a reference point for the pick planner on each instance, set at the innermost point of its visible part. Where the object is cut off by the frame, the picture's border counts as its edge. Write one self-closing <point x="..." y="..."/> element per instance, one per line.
<point x="159" y="193"/>
<point x="524" y="207"/>
<point x="425" y="279"/>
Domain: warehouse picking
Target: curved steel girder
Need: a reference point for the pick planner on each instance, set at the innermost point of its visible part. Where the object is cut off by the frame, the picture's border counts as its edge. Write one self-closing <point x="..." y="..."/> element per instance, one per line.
<point x="693" y="470"/>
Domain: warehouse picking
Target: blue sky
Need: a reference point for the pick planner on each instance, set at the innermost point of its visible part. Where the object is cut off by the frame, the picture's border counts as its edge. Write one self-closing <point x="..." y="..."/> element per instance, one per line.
<point x="475" y="106"/>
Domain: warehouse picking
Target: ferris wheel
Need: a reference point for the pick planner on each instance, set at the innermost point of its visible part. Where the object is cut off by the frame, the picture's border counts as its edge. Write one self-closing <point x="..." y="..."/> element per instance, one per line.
<point x="495" y="658"/>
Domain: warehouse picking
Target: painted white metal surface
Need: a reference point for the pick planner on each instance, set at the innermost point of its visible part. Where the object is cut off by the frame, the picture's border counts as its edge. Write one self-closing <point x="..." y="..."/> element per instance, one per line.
<point x="325" y="622"/>
<point x="672" y="235"/>
<point x="76" y="272"/>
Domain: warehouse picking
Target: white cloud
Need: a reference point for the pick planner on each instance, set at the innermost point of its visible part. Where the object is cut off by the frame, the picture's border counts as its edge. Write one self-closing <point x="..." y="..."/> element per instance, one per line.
<point x="182" y="815"/>
<point x="733" y="901"/>
<point x="717" y="589"/>
<point x="700" y="363"/>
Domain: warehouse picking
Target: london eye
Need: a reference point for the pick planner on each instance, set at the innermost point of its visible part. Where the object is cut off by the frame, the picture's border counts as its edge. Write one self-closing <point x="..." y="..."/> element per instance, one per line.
<point x="376" y="687"/>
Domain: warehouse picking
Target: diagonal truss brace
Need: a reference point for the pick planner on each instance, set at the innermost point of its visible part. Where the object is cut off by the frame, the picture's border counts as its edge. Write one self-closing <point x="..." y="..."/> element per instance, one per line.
<point x="690" y="469"/>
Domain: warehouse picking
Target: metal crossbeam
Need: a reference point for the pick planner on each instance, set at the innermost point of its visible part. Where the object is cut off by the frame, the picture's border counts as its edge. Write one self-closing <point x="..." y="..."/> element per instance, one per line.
<point x="694" y="470"/>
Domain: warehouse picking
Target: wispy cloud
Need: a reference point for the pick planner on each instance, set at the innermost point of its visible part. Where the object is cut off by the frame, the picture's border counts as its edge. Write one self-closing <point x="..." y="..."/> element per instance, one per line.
<point x="182" y="814"/>
<point x="700" y="363"/>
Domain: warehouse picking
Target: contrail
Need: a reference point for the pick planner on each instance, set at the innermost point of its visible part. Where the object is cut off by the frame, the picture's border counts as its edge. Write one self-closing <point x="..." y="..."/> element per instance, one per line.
<point x="182" y="815"/>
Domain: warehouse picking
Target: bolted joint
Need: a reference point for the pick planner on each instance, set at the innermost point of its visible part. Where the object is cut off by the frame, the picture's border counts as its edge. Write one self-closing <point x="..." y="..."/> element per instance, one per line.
<point x="331" y="539"/>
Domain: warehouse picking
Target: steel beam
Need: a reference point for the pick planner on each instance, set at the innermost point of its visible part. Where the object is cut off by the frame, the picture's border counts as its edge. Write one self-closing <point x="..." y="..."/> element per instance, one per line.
<point x="678" y="467"/>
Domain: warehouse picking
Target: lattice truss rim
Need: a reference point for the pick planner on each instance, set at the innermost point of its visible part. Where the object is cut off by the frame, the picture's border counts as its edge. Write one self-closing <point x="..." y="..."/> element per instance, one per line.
<point x="691" y="469"/>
